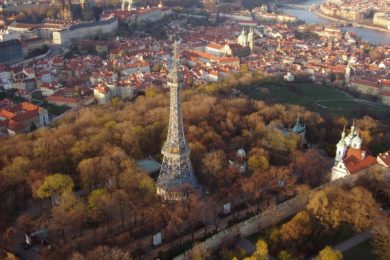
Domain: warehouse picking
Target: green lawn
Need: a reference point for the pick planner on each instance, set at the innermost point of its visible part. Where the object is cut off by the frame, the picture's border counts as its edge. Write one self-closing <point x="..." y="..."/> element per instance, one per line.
<point x="360" y="252"/>
<point x="317" y="97"/>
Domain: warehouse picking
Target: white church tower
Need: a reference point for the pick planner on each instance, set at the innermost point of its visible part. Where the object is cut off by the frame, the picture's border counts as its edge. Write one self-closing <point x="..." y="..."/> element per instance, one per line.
<point x="341" y="148"/>
<point x="243" y="38"/>
<point x="348" y="73"/>
<point x="251" y="39"/>
<point x="129" y="7"/>
<point x="351" y="135"/>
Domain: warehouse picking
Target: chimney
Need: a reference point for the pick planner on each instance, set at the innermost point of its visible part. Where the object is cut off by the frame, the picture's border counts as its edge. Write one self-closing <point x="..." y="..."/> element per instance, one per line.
<point x="363" y="155"/>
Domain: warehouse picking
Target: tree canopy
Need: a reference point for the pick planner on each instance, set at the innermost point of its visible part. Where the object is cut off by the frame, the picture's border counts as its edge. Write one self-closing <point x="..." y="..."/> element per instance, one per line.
<point x="55" y="184"/>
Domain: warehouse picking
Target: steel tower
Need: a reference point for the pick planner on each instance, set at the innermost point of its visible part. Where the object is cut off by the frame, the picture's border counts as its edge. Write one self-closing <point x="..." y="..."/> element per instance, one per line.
<point x="176" y="170"/>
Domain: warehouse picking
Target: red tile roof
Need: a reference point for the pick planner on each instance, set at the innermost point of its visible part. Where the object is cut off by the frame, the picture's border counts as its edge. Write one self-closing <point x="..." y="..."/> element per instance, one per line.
<point x="357" y="160"/>
<point x="365" y="82"/>
<point x="385" y="158"/>
<point x="215" y="46"/>
<point x="17" y="114"/>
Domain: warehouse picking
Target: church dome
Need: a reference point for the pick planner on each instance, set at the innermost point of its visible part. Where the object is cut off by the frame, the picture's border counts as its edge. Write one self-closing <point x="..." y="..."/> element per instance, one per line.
<point x="356" y="142"/>
<point x="241" y="153"/>
<point x="348" y="139"/>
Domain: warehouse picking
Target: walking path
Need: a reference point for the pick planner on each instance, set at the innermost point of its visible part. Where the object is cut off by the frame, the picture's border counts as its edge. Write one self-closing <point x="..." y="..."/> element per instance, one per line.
<point x="353" y="241"/>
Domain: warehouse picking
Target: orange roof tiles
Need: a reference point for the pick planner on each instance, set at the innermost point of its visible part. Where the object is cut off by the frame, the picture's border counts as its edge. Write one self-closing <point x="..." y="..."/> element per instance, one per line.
<point x="215" y="46"/>
<point x="357" y="160"/>
<point x="385" y="158"/>
<point x="17" y="114"/>
<point x="366" y="82"/>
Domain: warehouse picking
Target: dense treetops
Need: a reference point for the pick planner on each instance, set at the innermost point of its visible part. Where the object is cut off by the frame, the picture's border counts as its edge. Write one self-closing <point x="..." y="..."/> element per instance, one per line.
<point x="94" y="151"/>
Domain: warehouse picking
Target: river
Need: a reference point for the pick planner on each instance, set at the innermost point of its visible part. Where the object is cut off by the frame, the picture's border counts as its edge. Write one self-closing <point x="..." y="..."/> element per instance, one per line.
<point x="372" y="36"/>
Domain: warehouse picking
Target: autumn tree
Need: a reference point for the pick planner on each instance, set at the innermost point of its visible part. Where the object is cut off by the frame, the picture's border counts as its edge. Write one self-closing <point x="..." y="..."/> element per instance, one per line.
<point x="285" y="255"/>
<point x="335" y="205"/>
<point x="258" y="160"/>
<point x="329" y="254"/>
<point x="381" y="236"/>
<point x="9" y="238"/>
<point x="261" y="252"/>
<point x="199" y="253"/>
<point x="375" y="181"/>
<point x="69" y="214"/>
<point x="298" y="228"/>
<point x="35" y="180"/>
<point x="254" y="188"/>
<point x="311" y="167"/>
<point x="102" y="253"/>
<point x="94" y="196"/>
<point x="212" y="165"/>
<point x="15" y="174"/>
<point x="54" y="185"/>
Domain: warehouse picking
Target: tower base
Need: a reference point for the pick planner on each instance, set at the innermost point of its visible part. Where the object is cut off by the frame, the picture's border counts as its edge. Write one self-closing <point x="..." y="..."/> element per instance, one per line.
<point x="177" y="193"/>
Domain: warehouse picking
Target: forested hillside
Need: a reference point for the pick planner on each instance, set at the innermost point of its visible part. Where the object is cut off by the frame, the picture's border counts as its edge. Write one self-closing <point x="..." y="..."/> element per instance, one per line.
<point x="94" y="151"/>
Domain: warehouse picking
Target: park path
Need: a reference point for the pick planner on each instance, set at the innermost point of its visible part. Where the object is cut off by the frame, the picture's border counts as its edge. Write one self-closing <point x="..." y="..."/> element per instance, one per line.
<point x="355" y="240"/>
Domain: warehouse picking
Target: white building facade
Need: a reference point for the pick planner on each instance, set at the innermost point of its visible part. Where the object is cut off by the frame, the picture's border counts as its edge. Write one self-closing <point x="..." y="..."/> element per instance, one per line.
<point x="85" y="30"/>
<point x="104" y="93"/>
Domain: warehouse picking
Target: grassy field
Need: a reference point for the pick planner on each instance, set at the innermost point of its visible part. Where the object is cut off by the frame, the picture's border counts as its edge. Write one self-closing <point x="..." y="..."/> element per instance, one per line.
<point x="316" y="97"/>
<point x="360" y="252"/>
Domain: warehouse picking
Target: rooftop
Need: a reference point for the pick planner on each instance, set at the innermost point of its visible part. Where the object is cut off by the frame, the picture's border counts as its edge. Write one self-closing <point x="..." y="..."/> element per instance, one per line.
<point x="149" y="165"/>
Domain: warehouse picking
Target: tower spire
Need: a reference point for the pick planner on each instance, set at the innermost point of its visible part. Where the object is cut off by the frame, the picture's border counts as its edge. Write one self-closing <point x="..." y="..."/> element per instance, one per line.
<point x="353" y="128"/>
<point x="175" y="56"/>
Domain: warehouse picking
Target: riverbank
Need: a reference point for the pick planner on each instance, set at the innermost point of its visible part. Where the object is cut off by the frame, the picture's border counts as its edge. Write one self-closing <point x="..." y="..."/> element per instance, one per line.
<point x="355" y="24"/>
<point x="371" y="35"/>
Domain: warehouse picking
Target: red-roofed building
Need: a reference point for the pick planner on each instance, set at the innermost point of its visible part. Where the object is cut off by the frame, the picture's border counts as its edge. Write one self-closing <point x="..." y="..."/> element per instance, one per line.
<point x="215" y="49"/>
<point x="18" y="118"/>
<point x="104" y="93"/>
<point x="71" y="97"/>
<point x="351" y="158"/>
<point x="357" y="160"/>
<point x="384" y="97"/>
<point x="236" y="50"/>
<point x="384" y="159"/>
<point x="365" y="86"/>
